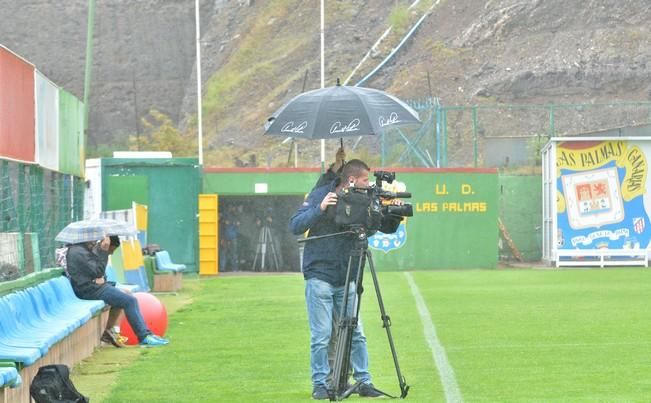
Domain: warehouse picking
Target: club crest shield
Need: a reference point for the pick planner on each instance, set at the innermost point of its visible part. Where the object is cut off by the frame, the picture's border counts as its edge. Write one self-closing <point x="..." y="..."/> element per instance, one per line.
<point x="389" y="242"/>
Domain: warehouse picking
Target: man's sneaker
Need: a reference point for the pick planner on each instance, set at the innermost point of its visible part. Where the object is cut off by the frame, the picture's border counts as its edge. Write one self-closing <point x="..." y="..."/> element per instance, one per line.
<point x="320" y="393"/>
<point x="153" y="341"/>
<point x="122" y="339"/>
<point x="110" y="337"/>
<point x="368" y="390"/>
<point x="161" y="339"/>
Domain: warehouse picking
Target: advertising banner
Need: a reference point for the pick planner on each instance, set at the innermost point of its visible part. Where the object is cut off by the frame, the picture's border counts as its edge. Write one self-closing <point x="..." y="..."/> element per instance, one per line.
<point x="16" y="107"/>
<point x="601" y="194"/>
<point x="71" y="134"/>
<point x="47" y="122"/>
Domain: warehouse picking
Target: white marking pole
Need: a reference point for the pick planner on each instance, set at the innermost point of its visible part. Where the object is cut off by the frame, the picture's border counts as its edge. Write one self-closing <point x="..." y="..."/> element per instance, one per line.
<point x="322" y="75"/>
<point x="199" y="103"/>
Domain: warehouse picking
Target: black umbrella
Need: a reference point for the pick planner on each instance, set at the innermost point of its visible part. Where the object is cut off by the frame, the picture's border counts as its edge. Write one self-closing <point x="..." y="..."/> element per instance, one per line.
<point x="339" y="111"/>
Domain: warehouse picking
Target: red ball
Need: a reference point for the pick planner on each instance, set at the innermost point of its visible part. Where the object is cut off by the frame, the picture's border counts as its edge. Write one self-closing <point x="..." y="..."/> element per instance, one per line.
<point x="153" y="312"/>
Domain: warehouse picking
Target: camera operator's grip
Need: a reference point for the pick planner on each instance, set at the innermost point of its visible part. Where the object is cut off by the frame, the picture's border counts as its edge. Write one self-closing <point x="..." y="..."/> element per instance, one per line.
<point x="329" y="200"/>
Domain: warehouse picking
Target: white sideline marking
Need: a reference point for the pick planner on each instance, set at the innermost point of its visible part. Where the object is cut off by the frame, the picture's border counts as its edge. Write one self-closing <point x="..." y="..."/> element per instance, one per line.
<point x="449" y="381"/>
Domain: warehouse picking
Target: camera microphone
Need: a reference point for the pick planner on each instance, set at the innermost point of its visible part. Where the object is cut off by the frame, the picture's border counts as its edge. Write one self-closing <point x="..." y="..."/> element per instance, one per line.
<point x="403" y="195"/>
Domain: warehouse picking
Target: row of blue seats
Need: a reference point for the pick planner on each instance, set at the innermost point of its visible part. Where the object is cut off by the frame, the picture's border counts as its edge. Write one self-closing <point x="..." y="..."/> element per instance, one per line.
<point x="34" y="319"/>
<point x="9" y="377"/>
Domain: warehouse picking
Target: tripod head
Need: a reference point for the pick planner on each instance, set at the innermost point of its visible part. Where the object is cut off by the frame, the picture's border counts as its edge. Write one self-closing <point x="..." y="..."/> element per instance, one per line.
<point x="359" y="231"/>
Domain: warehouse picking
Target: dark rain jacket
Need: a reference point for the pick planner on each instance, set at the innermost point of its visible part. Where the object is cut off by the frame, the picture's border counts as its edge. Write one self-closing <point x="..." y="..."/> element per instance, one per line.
<point x="327" y="258"/>
<point x="83" y="267"/>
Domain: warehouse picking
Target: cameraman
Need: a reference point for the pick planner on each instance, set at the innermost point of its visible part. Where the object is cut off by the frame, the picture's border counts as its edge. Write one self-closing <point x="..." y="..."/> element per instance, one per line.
<point x="325" y="262"/>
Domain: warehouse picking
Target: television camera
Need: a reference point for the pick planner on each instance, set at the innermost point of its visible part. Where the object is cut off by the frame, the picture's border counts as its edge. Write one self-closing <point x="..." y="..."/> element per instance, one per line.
<point x="367" y="206"/>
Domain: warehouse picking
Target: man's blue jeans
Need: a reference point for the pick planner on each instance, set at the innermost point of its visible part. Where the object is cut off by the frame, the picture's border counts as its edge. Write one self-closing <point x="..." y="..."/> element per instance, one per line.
<point x="322" y="300"/>
<point x="120" y="299"/>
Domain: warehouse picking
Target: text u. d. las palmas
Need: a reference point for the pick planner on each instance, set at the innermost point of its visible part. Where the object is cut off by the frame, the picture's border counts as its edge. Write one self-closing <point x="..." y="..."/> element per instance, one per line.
<point x="451" y="207"/>
<point x="441" y="189"/>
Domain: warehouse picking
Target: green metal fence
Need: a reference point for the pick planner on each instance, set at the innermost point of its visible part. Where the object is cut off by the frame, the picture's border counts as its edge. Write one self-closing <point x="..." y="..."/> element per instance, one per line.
<point x="35" y="204"/>
<point x="511" y="135"/>
<point x="490" y="136"/>
<point x="520" y="210"/>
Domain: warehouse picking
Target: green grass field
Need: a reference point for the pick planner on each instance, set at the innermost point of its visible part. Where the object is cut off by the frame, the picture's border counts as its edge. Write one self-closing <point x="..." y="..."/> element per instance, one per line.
<point x="491" y="335"/>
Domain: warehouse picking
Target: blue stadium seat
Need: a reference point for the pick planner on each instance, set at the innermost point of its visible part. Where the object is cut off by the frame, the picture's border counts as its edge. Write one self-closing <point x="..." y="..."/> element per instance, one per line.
<point x="111" y="276"/>
<point x="110" y="273"/>
<point x="55" y="308"/>
<point x="66" y="294"/>
<point x="39" y="303"/>
<point x="24" y="355"/>
<point x="9" y="377"/>
<point x="14" y="332"/>
<point x="34" y="319"/>
<point x="164" y="262"/>
<point x="31" y="321"/>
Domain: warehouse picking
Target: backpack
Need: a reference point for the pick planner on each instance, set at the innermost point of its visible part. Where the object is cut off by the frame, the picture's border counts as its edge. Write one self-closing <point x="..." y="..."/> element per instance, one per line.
<point x="52" y="384"/>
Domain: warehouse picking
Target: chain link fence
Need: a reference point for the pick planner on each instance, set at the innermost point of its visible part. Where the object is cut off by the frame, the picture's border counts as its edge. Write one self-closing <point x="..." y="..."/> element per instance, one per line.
<point x="35" y="204"/>
<point x="479" y="136"/>
<point x="511" y="136"/>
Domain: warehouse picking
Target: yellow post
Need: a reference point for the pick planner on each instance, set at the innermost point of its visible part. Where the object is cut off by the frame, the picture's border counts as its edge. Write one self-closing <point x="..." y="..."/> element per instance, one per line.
<point x="208" y="234"/>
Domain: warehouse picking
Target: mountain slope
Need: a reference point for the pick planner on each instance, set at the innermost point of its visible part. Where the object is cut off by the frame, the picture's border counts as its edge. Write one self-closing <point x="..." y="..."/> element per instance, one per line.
<point x="256" y="55"/>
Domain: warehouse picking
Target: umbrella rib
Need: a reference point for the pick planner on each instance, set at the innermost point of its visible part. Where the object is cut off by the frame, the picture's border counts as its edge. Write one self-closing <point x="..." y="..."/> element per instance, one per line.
<point x="322" y="101"/>
<point x="368" y="115"/>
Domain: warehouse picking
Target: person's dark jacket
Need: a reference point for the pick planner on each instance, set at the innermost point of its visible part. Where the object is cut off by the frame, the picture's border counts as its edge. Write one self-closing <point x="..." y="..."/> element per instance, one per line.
<point x="84" y="266"/>
<point x="327" y="258"/>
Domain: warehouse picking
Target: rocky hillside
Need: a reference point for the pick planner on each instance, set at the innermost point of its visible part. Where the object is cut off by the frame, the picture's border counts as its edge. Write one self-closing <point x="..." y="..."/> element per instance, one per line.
<point x="142" y="57"/>
<point x="258" y="54"/>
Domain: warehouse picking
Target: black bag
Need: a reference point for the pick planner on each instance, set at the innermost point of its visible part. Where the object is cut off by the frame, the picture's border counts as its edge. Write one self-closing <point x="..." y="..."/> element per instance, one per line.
<point x="52" y="384"/>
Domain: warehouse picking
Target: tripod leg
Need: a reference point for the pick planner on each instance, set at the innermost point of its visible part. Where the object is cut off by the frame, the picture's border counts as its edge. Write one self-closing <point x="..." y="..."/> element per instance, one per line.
<point x="255" y="259"/>
<point x="274" y="255"/>
<point x="341" y="366"/>
<point x="263" y="247"/>
<point x="348" y="323"/>
<point x="259" y="251"/>
<point x="404" y="388"/>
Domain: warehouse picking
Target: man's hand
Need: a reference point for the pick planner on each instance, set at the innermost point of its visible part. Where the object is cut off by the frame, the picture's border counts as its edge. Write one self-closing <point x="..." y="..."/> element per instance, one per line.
<point x="104" y="245"/>
<point x="100" y="280"/>
<point x="340" y="158"/>
<point x="329" y="200"/>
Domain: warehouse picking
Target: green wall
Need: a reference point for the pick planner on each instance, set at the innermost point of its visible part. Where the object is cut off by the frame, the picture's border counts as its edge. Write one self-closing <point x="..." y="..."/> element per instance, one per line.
<point x="521" y="212"/>
<point x="454" y="224"/>
<point x="455" y="213"/>
<point x="242" y="182"/>
<point x="173" y="186"/>
<point x="125" y="190"/>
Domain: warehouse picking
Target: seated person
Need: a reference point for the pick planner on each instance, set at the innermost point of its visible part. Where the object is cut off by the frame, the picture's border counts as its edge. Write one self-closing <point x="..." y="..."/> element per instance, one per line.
<point x="86" y="266"/>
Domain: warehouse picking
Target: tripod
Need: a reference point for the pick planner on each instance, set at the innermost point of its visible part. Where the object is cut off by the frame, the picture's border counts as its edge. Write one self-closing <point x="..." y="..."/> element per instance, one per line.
<point x="349" y="316"/>
<point x="265" y="239"/>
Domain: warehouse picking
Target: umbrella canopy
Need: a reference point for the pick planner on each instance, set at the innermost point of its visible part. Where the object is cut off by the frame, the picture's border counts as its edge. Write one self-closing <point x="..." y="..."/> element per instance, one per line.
<point x="339" y="111"/>
<point x="92" y="230"/>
